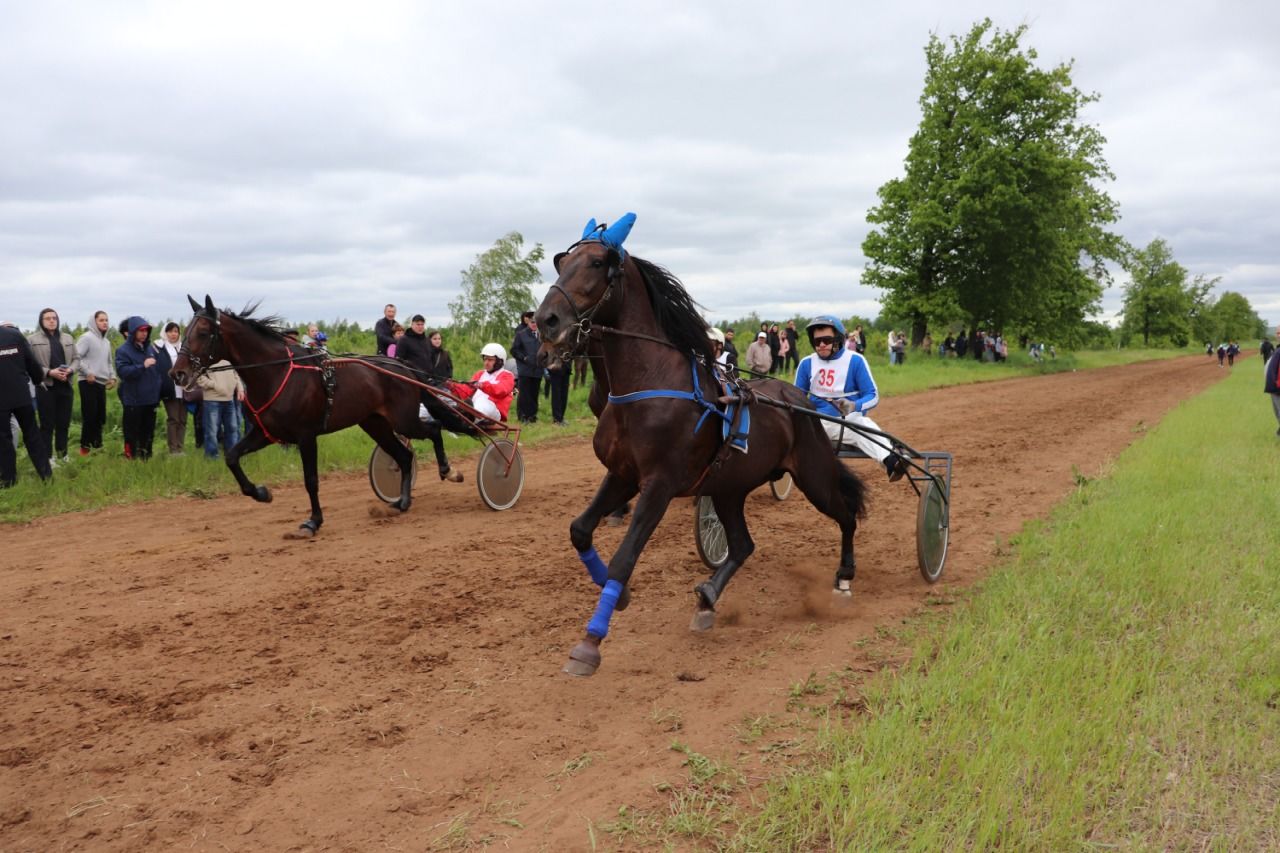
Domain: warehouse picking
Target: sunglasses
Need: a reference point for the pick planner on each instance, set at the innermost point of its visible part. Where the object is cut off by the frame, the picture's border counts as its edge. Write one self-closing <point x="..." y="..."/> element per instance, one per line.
<point x="824" y="340"/>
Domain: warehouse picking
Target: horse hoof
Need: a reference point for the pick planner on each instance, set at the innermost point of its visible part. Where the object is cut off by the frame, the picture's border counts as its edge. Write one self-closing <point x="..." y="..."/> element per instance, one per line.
<point x="381" y="510"/>
<point x="584" y="660"/>
<point x="262" y="495"/>
<point x="842" y="597"/>
<point x="453" y="475"/>
<point x="703" y="620"/>
<point x="301" y="533"/>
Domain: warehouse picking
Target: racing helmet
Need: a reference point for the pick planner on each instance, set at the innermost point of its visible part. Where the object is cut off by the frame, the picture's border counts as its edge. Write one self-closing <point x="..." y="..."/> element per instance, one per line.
<point x="715" y="334"/>
<point x="494" y="350"/>
<point x="825" y="320"/>
<point x="321" y="338"/>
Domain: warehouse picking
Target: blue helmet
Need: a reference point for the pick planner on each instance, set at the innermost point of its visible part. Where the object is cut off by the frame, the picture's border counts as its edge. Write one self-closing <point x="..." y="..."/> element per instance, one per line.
<point x="825" y="320"/>
<point x="321" y="337"/>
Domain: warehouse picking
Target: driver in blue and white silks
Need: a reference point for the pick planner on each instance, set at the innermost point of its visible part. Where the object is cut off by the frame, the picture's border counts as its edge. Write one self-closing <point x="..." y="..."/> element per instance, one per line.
<point x="838" y="382"/>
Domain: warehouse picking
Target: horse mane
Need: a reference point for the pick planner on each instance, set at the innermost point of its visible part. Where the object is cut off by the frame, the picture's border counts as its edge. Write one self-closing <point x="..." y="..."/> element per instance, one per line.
<point x="272" y="324"/>
<point x="675" y="310"/>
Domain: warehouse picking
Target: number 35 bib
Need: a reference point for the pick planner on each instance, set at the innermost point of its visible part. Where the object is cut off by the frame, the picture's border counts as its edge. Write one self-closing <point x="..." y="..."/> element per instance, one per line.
<point x="828" y="377"/>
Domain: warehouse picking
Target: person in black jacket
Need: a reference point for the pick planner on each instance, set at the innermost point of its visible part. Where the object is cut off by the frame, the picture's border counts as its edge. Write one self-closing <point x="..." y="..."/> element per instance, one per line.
<point x="441" y="361"/>
<point x="730" y="351"/>
<point x="382" y="329"/>
<point x="413" y="349"/>
<point x="528" y="374"/>
<point x="19" y="373"/>
<point x="1271" y="383"/>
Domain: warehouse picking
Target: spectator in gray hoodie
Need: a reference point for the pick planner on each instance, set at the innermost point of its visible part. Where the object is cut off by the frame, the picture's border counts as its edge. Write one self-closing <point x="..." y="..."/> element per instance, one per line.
<point x="97" y="373"/>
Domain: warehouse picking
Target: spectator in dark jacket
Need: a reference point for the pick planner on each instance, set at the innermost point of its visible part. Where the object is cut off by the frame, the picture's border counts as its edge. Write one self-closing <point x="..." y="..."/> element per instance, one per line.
<point x="730" y="351"/>
<point x="1271" y="384"/>
<point x="441" y="361"/>
<point x="383" y="328"/>
<point x="412" y="348"/>
<point x="19" y="371"/>
<point x="137" y="365"/>
<point x="528" y="374"/>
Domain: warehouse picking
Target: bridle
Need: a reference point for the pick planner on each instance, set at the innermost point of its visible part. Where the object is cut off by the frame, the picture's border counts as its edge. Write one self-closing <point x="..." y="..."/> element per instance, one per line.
<point x="582" y="329"/>
<point x="196" y="361"/>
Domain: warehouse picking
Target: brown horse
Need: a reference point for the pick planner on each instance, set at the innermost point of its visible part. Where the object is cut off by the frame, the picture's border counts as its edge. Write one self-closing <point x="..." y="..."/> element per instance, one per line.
<point x="658" y="436"/>
<point x="294" y="394"/>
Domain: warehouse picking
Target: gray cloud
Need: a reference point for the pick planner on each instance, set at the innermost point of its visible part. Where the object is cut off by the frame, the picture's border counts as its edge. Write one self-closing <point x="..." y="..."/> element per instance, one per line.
<point x="327" y="160"/>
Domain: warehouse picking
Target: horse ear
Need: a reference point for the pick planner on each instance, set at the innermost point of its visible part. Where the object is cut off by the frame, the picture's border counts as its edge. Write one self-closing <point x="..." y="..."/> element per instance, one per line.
<point x="590" y="229"/>
<point x="195" y="306"/>
<point x="618" y="231"/>
<point x="208" y="305"/>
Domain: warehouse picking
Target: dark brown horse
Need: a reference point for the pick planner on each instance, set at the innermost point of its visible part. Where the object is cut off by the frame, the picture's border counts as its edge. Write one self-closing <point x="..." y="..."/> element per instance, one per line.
<point x="667" y="445"/>
<point x="294" y="394"/>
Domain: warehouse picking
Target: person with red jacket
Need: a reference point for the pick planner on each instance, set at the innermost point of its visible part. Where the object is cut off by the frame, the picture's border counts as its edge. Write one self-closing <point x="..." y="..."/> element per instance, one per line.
<point x="492" y="387"/>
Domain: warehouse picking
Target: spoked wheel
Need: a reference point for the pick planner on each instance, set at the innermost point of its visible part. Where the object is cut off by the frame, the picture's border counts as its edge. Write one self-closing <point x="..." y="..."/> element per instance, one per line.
<point x="709" y="535"/>
<point x="932" y="531"/>
<point x="781" y="487"/>
<point x="384" y="475"/>
<point x="500" y="486"/>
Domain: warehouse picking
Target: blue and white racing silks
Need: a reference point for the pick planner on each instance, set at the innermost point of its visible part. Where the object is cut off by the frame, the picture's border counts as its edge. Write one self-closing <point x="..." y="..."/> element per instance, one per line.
<point x="846" y="376"/>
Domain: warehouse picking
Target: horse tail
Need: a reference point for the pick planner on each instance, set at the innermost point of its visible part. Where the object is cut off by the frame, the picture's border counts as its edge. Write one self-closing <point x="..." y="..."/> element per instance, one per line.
<point x="853" y="491"/>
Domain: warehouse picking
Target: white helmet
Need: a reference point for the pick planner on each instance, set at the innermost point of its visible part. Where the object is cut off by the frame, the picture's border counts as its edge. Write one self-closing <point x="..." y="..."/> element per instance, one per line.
<point x="494" y="350"/>
<point x="715" y="334"/>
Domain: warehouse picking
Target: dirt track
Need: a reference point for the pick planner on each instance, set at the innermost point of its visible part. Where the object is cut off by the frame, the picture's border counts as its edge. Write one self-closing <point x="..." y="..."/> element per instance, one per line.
<point x="178" y="675"/>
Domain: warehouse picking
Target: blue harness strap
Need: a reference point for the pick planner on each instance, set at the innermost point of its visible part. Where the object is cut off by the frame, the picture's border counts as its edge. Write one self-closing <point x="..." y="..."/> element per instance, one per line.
<point x="696" y="397"/>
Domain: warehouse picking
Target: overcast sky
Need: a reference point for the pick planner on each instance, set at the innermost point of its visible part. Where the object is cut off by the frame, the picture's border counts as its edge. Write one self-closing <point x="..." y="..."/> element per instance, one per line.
<point x="329" y="158"/>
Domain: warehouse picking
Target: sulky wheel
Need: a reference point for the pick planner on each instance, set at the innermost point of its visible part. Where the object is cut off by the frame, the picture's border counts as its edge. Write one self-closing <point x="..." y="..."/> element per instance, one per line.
<point x="709" y="535"/>
<point x="384" y="475"/>
<point x="500" y="483"/>
<point x="781" y="487"/>
<point x="932" y="529"/>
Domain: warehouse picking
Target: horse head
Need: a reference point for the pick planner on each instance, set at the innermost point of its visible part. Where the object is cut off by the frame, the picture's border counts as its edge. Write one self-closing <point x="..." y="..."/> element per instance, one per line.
<point x="587" y="289"/>
<point x="201" y="348"/>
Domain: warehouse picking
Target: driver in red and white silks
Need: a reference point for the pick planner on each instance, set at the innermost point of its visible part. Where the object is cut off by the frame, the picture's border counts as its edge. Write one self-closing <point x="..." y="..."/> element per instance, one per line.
<point x="492" y="387"/>
<point x="838" y="382"/>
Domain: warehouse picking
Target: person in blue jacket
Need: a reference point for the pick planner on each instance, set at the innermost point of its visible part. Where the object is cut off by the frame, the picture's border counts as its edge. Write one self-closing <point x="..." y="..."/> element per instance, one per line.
<point x="838" y="382"/>
<point x="140" y="384"/>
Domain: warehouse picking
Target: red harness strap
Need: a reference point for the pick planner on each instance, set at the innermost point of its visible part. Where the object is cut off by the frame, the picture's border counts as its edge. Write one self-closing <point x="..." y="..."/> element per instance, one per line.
<point x="257" y="412"/>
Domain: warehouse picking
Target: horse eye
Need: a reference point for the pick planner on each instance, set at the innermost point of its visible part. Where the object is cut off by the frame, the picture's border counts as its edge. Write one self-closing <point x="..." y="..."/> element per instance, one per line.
<point x="597" y="263"/>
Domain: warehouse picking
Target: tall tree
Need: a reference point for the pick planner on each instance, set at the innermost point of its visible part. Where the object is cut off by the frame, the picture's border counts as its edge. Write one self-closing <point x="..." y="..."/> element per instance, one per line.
<point x="999" y="218"/>
<point x="1158" y="301"/>
<point x="496" y="289"/>
<point x="1232" y="318"/>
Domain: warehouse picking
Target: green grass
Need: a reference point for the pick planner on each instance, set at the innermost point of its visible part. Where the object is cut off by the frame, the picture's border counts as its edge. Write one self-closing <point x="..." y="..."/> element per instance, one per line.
<point x="106" y="478"/>
<point x="1114" y="685"/>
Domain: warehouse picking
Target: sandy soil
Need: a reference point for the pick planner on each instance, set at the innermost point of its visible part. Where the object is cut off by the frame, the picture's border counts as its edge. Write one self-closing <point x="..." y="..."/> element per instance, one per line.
<point x="175" y="674"/>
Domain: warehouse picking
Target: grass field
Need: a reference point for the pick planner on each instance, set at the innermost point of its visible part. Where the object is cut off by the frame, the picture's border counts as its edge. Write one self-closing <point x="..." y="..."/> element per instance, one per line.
<point x="1115" y="684"/>
<point x="106" y="478"/>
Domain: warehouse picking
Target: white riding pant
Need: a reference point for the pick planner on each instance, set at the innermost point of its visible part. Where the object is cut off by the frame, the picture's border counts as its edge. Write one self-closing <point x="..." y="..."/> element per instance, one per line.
<point x="485" y="406"/>
<point x="872" y="445"/>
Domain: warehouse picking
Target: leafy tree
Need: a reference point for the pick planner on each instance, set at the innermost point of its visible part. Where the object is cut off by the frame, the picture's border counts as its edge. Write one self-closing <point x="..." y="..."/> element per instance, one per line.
<point x="998" y="219"/>
<point x="1158" y="301"/>
<point x="496" y="289"/>
<point x="1232" y="318"/>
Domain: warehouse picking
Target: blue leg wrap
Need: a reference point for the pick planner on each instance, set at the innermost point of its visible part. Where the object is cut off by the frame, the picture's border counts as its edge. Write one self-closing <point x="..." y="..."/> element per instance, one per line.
<point x="599" y="624"/>
<point x="595" y="566"/>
